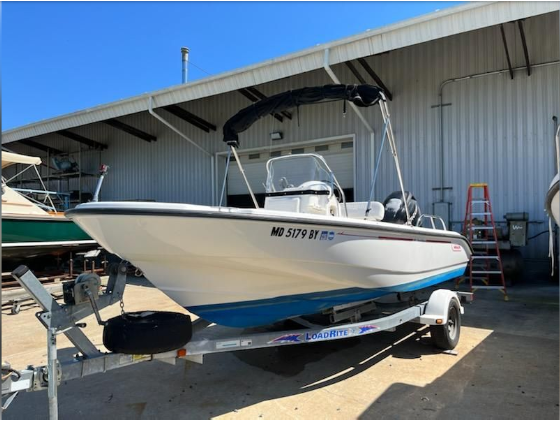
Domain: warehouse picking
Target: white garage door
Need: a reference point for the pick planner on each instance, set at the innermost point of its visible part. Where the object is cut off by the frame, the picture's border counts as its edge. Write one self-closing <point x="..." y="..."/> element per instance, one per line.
<point x="338" y="155"/>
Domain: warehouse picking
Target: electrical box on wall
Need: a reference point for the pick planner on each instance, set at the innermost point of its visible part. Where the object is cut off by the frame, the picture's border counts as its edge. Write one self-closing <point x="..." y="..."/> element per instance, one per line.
<point x="517" y="228"/>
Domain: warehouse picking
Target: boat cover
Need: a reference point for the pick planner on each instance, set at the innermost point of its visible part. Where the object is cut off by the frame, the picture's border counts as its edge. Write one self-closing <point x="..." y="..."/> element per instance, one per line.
<point x="360" y="95"/>
<point x="9" y="158"/>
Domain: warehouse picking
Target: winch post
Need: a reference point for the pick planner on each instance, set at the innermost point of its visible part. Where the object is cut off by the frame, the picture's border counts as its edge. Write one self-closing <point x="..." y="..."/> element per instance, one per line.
<point x="52" y="374"/>
<point x="54" y="316"/>
<point x="64" y="318"/>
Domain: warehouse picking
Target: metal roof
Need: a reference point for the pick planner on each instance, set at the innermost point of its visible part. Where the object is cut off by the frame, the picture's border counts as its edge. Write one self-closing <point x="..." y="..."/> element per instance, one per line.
<point x="425" y="28"/>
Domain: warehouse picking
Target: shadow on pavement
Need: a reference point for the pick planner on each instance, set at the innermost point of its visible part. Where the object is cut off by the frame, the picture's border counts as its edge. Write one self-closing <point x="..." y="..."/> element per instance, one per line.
<point x="504" y="377"/>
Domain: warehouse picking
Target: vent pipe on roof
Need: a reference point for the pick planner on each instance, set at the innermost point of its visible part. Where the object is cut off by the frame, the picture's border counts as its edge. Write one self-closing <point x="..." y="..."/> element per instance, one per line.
<point x="185" y="59"/>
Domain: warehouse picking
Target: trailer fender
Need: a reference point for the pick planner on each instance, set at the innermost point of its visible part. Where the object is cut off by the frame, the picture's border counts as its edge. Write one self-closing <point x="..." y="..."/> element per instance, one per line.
<point x="437" y="309"/>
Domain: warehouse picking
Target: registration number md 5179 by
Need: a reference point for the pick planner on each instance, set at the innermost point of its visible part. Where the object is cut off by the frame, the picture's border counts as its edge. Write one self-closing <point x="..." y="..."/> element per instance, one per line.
<point x="309" y="234"/>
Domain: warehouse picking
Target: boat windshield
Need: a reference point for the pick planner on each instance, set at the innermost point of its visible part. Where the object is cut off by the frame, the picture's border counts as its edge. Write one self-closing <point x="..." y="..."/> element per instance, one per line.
<point x="293" y="171"/>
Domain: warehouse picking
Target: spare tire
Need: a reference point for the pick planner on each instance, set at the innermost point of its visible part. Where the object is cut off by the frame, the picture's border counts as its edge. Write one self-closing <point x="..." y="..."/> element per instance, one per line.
<point x="395" y="211"/>
<point x="147" y="332"/>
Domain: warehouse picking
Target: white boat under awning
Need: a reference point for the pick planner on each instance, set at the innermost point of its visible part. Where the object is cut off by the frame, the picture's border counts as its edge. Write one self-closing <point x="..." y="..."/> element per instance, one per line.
<point x="10" y="158"/>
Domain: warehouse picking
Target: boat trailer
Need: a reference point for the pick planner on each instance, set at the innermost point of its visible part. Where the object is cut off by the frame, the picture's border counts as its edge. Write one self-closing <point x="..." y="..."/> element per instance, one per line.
<point x="87" y="300"/>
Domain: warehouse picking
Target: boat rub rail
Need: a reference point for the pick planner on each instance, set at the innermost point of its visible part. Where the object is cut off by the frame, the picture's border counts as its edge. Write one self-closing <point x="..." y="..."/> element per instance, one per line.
<point x="277" y="219"/>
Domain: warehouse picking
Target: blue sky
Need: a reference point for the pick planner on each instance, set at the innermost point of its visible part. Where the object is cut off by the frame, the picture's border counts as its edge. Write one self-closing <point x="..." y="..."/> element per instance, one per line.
<point x="62" y="57"/>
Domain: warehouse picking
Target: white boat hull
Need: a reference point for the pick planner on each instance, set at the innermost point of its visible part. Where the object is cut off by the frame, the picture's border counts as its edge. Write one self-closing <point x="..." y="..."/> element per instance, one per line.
<point x="253" y="267"/>
<point x="553" y="200"/>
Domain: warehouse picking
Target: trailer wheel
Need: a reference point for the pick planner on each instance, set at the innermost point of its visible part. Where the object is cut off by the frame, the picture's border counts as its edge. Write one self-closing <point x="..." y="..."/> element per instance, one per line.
<point x="146" y="333"/>
<point x="446" y="336"/>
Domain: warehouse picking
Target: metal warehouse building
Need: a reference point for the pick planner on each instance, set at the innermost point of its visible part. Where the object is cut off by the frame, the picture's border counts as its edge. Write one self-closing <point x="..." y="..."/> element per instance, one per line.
<point x="474" y="92"/>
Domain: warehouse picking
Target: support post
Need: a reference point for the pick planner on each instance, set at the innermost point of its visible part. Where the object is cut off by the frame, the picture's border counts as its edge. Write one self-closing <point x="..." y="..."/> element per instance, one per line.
<point x="225" y="178"/>
<point x="506" y="49"/>
<point x="232" y="148"/>
<point x="52" y="374"/>
<point x="525" y="49"/>
<point x="391" y="138"/>
<point x="376" y="78"/>
<point x="355" y="72"/>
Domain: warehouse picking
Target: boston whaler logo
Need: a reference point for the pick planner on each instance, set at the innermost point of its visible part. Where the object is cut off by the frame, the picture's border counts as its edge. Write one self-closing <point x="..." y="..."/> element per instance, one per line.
<point x="326" y="235"/>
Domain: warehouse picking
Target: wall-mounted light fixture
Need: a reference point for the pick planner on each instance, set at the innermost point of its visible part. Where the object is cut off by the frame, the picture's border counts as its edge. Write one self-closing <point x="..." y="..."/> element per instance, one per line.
<point x="276" y="136"/>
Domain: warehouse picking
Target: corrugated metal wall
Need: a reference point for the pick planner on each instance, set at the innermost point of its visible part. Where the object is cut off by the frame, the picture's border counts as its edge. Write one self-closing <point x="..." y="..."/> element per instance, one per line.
<point x="494" y="129"/>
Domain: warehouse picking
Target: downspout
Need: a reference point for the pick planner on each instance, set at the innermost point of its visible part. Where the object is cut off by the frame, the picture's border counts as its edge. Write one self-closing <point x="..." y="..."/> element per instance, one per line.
<point x="182" y="135"/>
<point x="473" y="76"/>
<point x="327" y="67"/>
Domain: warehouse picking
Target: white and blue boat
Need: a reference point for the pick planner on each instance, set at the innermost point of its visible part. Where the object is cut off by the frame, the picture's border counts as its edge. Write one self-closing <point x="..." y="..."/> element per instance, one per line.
<point x="306" y="251"/>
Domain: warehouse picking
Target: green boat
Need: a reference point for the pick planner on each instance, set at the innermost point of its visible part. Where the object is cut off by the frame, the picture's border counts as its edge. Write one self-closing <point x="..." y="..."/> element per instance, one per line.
<point x="31" y="229"/>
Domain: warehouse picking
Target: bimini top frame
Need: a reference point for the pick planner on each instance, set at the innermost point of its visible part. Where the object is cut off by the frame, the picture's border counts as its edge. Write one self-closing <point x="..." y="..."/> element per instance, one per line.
<point x="360" y="95"/>
<point x="9" y="159"/>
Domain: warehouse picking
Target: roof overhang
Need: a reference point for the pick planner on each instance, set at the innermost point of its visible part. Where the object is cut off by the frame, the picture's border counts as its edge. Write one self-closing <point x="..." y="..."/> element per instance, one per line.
<point x="425" y="28"/>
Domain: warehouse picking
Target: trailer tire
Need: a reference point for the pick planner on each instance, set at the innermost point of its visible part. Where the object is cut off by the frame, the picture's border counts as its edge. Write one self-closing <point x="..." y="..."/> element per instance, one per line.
<point x="147" y="332"/>
<point x="447" y="336"/>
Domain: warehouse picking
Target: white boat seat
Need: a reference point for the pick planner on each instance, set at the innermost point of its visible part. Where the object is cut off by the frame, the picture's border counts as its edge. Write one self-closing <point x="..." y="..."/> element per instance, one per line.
<point x="358" y="210"/>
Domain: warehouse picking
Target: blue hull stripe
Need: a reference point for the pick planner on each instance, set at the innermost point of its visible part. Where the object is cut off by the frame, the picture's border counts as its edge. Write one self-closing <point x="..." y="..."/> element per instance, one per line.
<point x="255" y="313"/>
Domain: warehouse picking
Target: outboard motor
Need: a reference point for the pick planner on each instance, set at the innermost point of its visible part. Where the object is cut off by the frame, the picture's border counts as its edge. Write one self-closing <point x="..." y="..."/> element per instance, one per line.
<point x="395" y="211"/>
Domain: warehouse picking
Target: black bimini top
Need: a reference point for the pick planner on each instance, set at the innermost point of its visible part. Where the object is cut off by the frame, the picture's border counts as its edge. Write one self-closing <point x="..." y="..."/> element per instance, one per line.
<point x="360" y="95"/>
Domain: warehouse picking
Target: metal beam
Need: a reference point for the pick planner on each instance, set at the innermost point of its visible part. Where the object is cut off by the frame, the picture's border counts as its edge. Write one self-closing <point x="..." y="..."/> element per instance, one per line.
<point x="525" y="49"/>
<point x="355" y="72"/>
<point x="188" y="117"/>
<point x="39" y="146"/>
<point x="376" y="78"/>
<point x="82" y="139"/>
<point x="248" y="95"/>
<point x="253" y="98"/>
<point x="261" y="96"/>
<point x="130" y="130"/>
<point x="506" y="49"/>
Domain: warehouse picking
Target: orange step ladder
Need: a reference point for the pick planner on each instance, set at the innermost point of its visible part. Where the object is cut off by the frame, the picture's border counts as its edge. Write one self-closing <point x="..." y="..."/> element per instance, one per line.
<point x="480" y="229"/>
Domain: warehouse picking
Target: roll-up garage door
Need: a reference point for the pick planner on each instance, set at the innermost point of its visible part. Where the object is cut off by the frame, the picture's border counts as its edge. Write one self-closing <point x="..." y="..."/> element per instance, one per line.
<point x="338" y="155"/>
